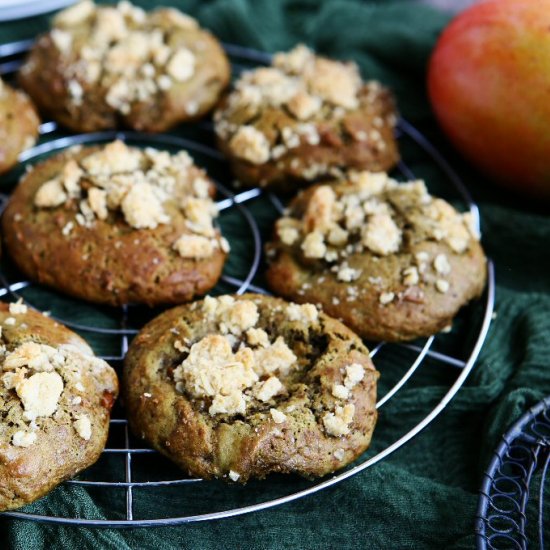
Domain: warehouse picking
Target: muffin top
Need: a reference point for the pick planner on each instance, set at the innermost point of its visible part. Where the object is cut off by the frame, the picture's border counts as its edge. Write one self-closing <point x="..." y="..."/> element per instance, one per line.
<point x="103" y="66"/>
<point x="251" y="384"/>
<point x="145" y="188"/>
<point x="239" y="367"/>
<point x="48" y="377"/>
<point x="255" y="355"/>
<point x="125" y="49"/>
<point x="19" y="125"/>
<point x="117" y="224"/>
<point x="12" y="101"/>
<point x="391" y="261"/>
<point x="312" y="91"/>
<point x="372" y="214"/>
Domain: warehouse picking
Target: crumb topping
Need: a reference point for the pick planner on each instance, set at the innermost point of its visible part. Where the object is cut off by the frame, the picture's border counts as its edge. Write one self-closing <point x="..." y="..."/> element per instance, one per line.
<point x="130" y="54"/>
<point x="50" y="195"/>
<point x="411" y="276"/>
<point x="142" y="207"/>
<point x="142" y="186"/>
<point x="314" y="245"/>
<point x="278" y="416"/>
<point x="310" y="90"/>
<point x="18" y="308"/>
<point x="354" y="374"/>
<point x="268" y="389"/>
<point x="340" y="391"/>
<point x="75" y="14"/>
<point x="242" y="364"/>
<point x="441" y="264"/>
<point x="306" y="313"/>
<point x="239" y="368"/>
<point x="212" y="369"/>
<point x="181" y="66"/>
<point x="339" y="454"/>
<point x="233" y="476"/>
<point x="337" y="423"/>
<point x="386" y="298"/>
<point x="277" y="357"/>
<point x="257" y="337"/>
<point x="40" y="393"/>
<point x="83" y="427"/>
<point x="442" y="286"/>
<point x="289" y="235"/>
<point x="303" y="105"/>
<point x="195" y="246"/>
<point x="382" y="235"/>
<point x="23" y="439"/>
<point x="232" y="316"/>
<point x="374" y="214"/>
<point x="346" y="273"/>
<point x="250" y="144"/>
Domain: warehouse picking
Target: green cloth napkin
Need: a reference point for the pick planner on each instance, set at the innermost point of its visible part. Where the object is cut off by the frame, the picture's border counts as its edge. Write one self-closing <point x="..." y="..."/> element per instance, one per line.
<point x="425" y="495"/>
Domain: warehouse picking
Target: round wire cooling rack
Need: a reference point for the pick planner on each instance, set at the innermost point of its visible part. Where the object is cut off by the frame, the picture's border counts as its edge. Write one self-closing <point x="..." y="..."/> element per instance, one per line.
<point x="515" y="478"/>
<point x="124" y="485"/>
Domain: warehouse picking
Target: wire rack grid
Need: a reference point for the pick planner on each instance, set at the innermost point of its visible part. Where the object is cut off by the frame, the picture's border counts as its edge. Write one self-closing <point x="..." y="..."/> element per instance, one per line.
<point x="126" y="321"/>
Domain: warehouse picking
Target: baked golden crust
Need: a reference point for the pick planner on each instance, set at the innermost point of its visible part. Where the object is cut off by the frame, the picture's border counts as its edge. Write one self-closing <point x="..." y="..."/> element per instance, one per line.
<point x="122" y="239"/>
<point x="305" y="118"/>
<point x="285" y="417"/>
<point x="103" y="67"/>
<point x="389" y="260"/>
<point x="18" y="125"/>
<point x="55" y="400"/>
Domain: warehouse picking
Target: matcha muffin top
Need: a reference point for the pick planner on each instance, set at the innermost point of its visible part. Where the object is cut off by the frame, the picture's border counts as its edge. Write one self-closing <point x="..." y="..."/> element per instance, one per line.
<point x="19" y="125"/>
<point x="242" y="386"/>
<point x="55" y="400"/>
<point x="116" y="224"/>
<point x="387" y="258"/>
<point x="103" y="66"/>
<point x="305" y="118"/>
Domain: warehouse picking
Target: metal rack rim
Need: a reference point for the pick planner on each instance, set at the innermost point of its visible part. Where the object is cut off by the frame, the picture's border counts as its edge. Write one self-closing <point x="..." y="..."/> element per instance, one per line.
<point x="404" y="129"/>
<point x="507" y="440"/>
<point x="490" y="297"/>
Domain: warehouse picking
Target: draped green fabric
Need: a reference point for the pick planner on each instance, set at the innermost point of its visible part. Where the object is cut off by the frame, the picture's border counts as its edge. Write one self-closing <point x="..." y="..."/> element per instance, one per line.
<point x="425" y="495"/>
